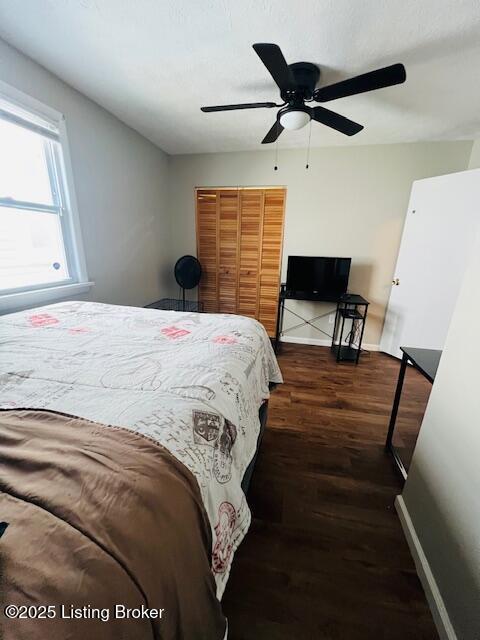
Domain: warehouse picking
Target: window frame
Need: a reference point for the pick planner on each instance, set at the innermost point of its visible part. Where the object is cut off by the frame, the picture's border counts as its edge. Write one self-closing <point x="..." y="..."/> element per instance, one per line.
<point x="64" y="205"/>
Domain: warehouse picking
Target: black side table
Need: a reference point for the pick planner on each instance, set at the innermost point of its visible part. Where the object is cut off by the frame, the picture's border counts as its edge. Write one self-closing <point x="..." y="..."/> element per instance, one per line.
<point x="349" y="307"/>
<point x="426" y="362"/>
<point x="174" y="304"/>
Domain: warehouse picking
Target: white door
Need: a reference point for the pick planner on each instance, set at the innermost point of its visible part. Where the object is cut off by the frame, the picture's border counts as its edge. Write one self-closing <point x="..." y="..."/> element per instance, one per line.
<point x="437" y="239"/>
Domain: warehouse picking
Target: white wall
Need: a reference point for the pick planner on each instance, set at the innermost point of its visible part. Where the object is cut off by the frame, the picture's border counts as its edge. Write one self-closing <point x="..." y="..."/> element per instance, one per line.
<point x="475" y="156"/>
<point x="121" y="188"/>
<point x="350" y="202"/>
<point x="442" y="493"/>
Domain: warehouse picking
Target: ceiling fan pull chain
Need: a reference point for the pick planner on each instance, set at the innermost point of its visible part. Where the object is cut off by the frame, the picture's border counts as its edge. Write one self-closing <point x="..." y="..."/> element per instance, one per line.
<point x="308" y="147"/>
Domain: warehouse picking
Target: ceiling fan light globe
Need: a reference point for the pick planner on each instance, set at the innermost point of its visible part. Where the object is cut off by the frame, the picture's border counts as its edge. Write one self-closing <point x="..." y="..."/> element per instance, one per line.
<point x="294" y="119"/>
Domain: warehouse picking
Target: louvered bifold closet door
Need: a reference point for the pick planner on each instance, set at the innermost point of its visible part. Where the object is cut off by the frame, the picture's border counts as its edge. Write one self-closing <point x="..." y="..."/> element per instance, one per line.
<point x="271" y="258"/>
<point x="251" y="214"/>
<point x="207" y="247"/>
<point x="228" y="237"/>
<point x="239" y="245"/>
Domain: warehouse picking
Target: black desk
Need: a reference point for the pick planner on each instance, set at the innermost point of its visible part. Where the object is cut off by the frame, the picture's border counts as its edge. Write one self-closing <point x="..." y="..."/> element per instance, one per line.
<point x="346" y="306"/>
<point x="426" y="362"/>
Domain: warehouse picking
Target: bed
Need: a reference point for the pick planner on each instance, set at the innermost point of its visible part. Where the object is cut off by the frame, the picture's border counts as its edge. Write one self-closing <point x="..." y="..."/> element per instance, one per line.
<point x="125" y="436"/>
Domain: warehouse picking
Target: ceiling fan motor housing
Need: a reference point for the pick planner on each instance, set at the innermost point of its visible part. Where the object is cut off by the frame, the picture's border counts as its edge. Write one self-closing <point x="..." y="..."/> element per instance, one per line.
<point x="306" y="76"/>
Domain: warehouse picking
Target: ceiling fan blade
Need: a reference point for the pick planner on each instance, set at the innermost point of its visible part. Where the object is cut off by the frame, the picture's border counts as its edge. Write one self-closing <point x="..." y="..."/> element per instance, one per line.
<point x="386" y="77"/>
<point x="273" y="134"/>
<point x="335" y="121"/>
<point x="233" y="107"/>
<point x="272" y="58"/>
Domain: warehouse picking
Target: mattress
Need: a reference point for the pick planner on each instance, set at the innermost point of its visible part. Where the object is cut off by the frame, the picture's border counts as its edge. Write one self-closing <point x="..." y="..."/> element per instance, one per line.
<point x="193" y="383"/>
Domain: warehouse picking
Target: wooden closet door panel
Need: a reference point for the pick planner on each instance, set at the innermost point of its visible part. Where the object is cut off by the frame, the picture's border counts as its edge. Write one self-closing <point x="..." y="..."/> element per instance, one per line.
<point x="228" y="219"/>
<point x="207" y="248"/>
<point x="271" y="258"/>
<point x="251" y="214"/>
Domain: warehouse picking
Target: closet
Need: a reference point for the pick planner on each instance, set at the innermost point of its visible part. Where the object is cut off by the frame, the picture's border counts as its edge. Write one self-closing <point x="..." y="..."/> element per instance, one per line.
<point x="239" y="245"/>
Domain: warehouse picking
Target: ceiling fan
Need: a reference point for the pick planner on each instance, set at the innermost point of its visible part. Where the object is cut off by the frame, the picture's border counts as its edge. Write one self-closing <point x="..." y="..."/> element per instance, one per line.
<point x="297" y="83"/>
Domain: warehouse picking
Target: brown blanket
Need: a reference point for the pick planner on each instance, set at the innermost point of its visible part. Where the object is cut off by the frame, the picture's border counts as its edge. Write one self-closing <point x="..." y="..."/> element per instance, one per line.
<point x="96" y="521"/>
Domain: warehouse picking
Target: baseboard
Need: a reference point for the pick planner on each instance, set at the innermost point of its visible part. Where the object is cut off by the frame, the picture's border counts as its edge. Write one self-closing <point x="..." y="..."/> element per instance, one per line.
<point x="322" y="342"/>
<point x="432" y="592"/>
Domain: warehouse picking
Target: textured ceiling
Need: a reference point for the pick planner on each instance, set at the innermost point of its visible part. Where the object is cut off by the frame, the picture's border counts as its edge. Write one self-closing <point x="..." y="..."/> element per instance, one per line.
<point x="154" y="63"/>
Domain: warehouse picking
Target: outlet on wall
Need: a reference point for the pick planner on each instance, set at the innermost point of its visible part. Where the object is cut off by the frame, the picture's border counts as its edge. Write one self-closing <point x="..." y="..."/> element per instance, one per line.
<point x="331" y="318"/>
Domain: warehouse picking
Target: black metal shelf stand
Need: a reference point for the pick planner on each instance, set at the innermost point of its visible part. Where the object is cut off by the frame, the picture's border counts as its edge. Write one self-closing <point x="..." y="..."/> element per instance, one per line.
<point x="354" y="308"/>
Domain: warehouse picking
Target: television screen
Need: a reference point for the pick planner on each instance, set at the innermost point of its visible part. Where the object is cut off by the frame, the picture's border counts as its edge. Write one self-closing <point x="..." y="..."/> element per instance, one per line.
<point x="317" y="278"/>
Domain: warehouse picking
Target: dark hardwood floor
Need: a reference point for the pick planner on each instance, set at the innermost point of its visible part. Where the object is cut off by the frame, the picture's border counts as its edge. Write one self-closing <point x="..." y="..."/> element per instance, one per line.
<point x="326" y="557"/>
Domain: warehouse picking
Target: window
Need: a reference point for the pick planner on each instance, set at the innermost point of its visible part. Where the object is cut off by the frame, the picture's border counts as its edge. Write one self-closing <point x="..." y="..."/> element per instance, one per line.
<point x="38" y="247"/>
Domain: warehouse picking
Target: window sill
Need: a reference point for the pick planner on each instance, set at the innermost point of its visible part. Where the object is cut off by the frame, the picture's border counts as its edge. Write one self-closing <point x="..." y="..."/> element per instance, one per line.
<point x="15" y="301"/>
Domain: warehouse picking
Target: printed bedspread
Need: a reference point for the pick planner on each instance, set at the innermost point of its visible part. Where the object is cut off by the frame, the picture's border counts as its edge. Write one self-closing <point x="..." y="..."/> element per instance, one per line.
<point x="191" y="382"/>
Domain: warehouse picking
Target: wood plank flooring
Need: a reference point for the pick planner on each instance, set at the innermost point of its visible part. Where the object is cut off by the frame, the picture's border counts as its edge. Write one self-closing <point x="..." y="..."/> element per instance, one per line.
<point x="325" y="557"/>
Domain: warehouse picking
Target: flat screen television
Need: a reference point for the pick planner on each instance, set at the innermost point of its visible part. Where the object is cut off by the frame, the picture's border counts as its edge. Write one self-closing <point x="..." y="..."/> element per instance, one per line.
<point x="317" y="278"/>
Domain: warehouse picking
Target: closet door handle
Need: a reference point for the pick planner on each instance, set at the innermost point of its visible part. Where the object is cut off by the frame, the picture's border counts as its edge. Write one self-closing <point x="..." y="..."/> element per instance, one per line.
<point x="396" y="281"/>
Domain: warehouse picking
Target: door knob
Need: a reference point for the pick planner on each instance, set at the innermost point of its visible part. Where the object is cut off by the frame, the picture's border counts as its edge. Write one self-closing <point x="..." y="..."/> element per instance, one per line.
<point x="396" y="281"/>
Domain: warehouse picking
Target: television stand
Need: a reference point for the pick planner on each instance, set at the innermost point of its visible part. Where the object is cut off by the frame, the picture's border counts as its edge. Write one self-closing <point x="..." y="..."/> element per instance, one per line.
<point x="346" y="302"/>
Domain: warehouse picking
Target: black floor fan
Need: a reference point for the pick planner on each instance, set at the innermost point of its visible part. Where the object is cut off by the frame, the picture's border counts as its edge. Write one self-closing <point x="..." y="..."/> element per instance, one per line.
<point x="188" y="272"/>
